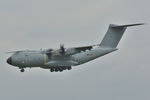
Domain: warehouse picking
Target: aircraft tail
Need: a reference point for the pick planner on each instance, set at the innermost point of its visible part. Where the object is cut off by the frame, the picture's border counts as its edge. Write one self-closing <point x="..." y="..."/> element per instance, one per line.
<point x="114" y="35"/>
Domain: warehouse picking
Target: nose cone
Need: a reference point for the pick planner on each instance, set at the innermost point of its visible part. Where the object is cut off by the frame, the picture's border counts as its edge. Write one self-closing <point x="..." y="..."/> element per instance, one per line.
<point x="9" y="61"/>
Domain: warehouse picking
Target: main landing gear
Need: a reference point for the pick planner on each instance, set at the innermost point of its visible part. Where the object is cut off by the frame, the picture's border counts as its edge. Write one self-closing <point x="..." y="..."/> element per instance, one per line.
<point x="60" y="69"/>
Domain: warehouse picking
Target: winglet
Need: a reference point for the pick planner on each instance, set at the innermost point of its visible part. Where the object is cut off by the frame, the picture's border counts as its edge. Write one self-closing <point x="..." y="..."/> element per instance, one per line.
<point x="129" y="25"/>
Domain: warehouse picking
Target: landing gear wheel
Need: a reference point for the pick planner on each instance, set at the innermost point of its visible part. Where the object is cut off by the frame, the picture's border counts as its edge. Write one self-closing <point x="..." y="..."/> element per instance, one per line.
<point x="69" y="68"/>
<point x="60" y="69"/>
<point x="22" y="70"/>
<point x="52" y="70"/>
<point x="56" y="69"/>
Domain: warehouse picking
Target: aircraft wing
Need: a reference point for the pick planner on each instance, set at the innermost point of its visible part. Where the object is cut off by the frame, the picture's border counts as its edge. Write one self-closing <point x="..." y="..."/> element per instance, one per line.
<point x="68" y="51"/>
<point x="79" y="49"/>
<point x="74" y="50"/>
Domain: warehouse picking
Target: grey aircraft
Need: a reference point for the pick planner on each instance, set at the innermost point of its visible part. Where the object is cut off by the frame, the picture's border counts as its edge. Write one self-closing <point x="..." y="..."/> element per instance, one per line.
<point x="64" y="58"/>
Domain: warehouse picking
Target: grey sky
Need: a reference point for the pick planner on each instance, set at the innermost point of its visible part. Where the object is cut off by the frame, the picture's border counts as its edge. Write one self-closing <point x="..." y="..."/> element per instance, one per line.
<point x="35" y="24"/>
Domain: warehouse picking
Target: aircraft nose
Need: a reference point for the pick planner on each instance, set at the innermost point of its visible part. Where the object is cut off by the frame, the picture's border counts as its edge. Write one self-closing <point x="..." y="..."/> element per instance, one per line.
<point x="9" y="61"/>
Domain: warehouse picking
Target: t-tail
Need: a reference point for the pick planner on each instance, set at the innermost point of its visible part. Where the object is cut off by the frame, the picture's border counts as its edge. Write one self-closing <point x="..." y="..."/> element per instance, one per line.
<point x="114" y="35"/>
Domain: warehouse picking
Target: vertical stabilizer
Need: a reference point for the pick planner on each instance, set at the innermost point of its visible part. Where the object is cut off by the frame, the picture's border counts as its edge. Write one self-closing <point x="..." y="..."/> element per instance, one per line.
<point x="114" y="35"/>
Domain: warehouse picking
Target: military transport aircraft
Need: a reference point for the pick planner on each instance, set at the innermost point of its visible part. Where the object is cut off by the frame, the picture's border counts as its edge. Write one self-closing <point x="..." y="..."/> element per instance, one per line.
<point x="64" y="58"/>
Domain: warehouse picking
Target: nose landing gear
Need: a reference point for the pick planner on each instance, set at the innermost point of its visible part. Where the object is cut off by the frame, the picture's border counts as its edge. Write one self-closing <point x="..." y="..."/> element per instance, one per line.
<point x="22" y="70"/>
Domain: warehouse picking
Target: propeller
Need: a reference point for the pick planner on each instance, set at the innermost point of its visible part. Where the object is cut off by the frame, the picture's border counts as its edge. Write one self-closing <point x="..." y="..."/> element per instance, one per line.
<point x="49" y="53"/>
<point x="62" y="49"/>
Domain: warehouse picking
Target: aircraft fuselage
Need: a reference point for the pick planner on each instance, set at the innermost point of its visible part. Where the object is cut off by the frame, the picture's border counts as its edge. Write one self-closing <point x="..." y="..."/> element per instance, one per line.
<point x="30" y="59"/>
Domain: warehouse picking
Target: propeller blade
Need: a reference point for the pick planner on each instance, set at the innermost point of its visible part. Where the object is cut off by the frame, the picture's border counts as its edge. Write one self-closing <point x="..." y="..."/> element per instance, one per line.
<point x="62" y="49"/>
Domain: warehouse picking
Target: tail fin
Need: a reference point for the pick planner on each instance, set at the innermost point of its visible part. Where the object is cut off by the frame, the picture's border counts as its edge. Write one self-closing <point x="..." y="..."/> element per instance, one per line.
<point x="114" y="34"/>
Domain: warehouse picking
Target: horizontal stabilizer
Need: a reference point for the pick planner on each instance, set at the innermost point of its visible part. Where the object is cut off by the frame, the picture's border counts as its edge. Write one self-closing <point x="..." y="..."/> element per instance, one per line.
<point x="129" y="25"/>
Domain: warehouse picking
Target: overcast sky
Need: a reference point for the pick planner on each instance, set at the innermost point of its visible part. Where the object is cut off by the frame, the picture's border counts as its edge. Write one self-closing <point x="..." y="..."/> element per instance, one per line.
<point x="36" y="24"/>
